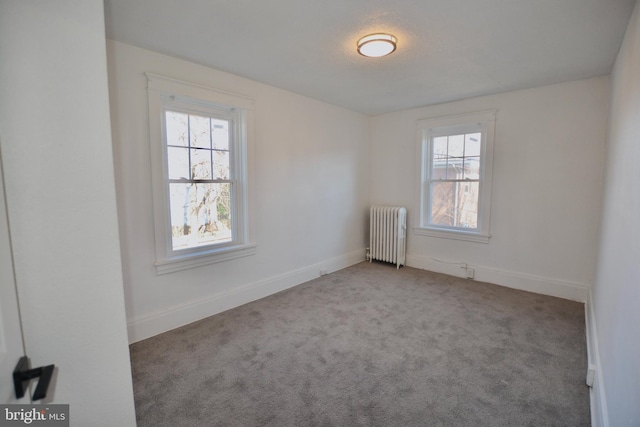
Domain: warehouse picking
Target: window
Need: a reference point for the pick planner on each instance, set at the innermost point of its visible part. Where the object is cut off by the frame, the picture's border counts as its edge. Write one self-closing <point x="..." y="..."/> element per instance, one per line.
<point x="456" y="154"/>
<point x="198" y="139"/>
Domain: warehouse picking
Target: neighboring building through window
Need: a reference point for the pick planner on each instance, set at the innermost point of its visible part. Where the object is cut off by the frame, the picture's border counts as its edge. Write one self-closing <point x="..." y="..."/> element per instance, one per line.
<point x="456" y="155"/>
<point x="198" y="142"/>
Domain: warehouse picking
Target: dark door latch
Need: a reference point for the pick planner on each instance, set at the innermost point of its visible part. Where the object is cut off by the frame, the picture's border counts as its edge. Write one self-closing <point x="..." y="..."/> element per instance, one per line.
<point x="22" y="376"/>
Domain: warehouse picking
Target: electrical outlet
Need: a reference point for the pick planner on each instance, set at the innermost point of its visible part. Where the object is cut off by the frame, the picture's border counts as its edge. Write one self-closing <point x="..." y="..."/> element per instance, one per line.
<point x="471" y="273"/>
<point x="591" y="375"/>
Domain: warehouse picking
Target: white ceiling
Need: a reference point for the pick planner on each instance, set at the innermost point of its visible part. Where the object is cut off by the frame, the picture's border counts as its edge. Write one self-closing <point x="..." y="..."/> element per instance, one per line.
<point x="447" y="49"/>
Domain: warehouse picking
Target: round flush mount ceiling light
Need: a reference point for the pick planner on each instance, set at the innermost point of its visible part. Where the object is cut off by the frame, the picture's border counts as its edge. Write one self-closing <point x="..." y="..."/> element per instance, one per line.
<point x="377" y="45"/>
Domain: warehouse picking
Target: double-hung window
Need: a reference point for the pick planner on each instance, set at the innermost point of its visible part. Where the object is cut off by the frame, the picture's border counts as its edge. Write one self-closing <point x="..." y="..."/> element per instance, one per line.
<point x="198" y="140"/>
<point x="456" y="154"/>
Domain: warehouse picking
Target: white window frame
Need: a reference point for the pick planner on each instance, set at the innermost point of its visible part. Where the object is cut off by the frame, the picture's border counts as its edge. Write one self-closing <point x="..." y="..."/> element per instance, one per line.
<point x="483" y="122"/>
<point x="169" y="94"/>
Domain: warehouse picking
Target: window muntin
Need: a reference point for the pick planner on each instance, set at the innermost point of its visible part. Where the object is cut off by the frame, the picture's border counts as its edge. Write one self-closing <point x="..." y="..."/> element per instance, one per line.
<point x="456" y="156"/>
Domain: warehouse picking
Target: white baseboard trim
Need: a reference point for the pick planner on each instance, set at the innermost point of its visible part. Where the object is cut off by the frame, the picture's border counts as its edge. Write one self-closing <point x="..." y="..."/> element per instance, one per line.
<point x="149" y="325"/>
<point x="598" y="402"/>
<point x="527" y="282"/>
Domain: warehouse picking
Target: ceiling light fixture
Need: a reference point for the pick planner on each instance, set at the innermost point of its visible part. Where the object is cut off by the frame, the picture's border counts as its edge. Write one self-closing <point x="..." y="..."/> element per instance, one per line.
<point x="377" y="45"/>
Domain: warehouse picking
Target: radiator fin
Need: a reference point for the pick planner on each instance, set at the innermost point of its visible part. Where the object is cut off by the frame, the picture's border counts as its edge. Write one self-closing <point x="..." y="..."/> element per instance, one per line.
<point x="388" y="234"/>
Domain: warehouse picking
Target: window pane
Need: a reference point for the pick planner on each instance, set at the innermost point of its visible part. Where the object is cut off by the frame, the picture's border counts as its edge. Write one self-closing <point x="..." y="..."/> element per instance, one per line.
<point x="442" y="203"/>
<point x="472" y="167"/>
<point x="178" y="161"/>
<point x="439" y="148"/>
<point x="472" y="144"/>
<point x="201" y="164"/>
<point x="220" y="134"/>
<point x="472" y="155"/>
<point x="468" y="204"/>
<point x="439" y="163"/>
<point x="177" y="128"/>
<point x="456" y="157"/>
<point x="200" y="131"/>
<point x="221" y="165"/>
<point x="456" y="145"/>
<point x="454" y="204"/>
<point x="200" y="214"/>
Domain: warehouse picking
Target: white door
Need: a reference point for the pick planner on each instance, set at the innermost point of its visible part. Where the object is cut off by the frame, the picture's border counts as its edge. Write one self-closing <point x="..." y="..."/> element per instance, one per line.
<point x="11" y="343"/>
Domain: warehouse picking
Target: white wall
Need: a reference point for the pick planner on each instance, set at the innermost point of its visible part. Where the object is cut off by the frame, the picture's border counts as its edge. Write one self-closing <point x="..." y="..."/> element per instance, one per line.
<point x="56" y="142"/>
<point x="616" y="295"/>
<point x="547" y="182"/>
<point x="309" y="194"/>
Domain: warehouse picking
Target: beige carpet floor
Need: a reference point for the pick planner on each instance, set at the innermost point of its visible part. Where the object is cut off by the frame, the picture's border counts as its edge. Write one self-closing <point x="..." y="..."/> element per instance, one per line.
<point x="372" y="346"/>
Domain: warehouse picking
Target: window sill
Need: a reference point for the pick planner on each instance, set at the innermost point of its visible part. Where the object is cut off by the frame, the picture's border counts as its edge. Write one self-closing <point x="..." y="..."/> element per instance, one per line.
<point x="452" y="234"/>
<point x="199" y="259"/>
